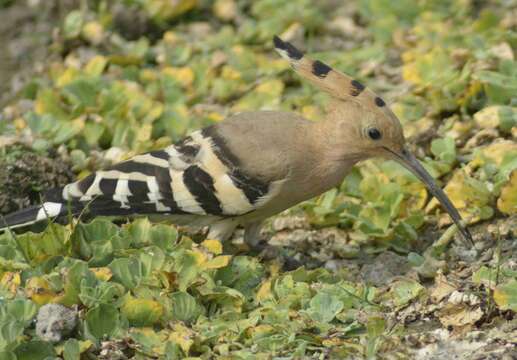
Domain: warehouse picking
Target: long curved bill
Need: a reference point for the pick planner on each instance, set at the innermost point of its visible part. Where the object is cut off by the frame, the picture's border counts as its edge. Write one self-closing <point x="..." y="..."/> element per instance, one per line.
<point x="410" y="161"/>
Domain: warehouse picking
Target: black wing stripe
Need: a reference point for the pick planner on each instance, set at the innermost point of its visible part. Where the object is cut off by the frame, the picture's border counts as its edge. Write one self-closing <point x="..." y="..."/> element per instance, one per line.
<point x="85" y="183"/>
<point x="110" y="207"/>
<point x="135" y="167"/>
<point x="221" y="149"/>
<point x="24" y="216"/>
<point x="160" y="154"/>
<point x="138" y="189"/>
<point x="187" y="147"/>
<point x="108" y="186"/>
<point x="164" y="181"/>
<point x="201" y="185"/>
<point x="253" y="188"/>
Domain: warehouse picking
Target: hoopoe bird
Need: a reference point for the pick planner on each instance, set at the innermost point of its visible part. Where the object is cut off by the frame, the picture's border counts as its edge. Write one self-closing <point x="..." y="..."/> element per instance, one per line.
<point x="248" y="167"/>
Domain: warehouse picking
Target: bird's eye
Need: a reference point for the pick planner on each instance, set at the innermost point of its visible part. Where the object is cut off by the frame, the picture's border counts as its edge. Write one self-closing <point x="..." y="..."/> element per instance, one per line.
<point x="374" y="133"/>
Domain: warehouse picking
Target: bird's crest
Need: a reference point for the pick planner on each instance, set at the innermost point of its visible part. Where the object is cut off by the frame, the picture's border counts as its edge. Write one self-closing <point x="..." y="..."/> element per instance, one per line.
<point x="332" y="81"/>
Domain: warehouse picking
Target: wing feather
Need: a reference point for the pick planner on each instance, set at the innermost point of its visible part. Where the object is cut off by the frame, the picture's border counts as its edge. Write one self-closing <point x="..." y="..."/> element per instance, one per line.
<point x="197" y="176"/>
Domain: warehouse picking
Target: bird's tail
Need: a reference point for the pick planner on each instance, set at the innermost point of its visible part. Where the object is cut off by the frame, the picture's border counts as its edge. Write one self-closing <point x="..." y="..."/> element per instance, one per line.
<point x="33" y="214"/>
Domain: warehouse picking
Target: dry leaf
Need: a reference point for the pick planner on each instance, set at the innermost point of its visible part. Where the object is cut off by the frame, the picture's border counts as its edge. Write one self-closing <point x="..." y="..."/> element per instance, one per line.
<point x="441" y="289"/>
<point x="459" y="315"/>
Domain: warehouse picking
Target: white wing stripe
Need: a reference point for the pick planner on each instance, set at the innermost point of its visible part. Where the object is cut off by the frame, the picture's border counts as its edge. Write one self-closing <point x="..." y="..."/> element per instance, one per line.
<point x="49" y="210"/>
<point x="151" y="160"/>
<point x="182" y="196"/>
<point x="233" y="200"/>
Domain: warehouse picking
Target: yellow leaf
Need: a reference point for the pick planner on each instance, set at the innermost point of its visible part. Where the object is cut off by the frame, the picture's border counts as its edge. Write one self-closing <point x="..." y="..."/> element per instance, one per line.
<point x="505" y="295"/>
<point x="199" y="255"/>
<point x="488" y="118"/>
<point x="229" y="73"/>
<point x="184" y="75"/>
<point x="182" y="336"/>
<point x="169" y="9"/>
<point x="10" y="281"/>
<point x="102" y="273"/>
<point x="225" y="9"/>
<point x="410" y="73"/>
<point x="148" y="75"/>
<point x="260" y="331"/>
<point x="215" y="116"/>
<point x="271" y="87"/>
<point x="38" y="290"/>
<point x="333" y="342"/>
<point x="144" y="132"/>
<point x="171" y="37"/>
<point x="19" y="123"/>
<point x="214" y="246"/>
<point x="217" y="262"/>
<point x="264" y="292"/>
<point x="96" y="65"/>
<point x="155" y="112"/>
<point x="470" y="196"/>
<point x="69" y="75"/>
<point x="93" y="32"/>
<point x="494" y="152"/>
<point x="142" y="311"/>
<point x="507" y="202"/>
<point x="311" y="112"/>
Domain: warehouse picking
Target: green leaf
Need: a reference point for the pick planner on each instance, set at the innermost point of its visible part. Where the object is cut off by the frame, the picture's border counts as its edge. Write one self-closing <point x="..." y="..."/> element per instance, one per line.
<point x="7" y="355"/>
<point x="82" y="93"/>
<point x="324" y="307"/>
<point x="186" y="266"/>
<point x="34" y="350"/>
<point x="142" y="232"/>
<point x="150" y="341"/>
<point x="101" y="293"/>
<point x="444" y="149"/>
<point x="39" y="247"/>
<point x="102" y="321"/>
<point x="128" y="272"/>
<point x="77" y="275"/>
<point x="10" y="330"/>
<point x="73" y="24"/>
<point x="22" y="310"/>
<point x="244" y="274"/>
<point x="92" y="242"/>
<point x="485" y="276"/>
<point x="403" y="291"/>
<point x="72" y="350"/>
<point x="185" y="307"/>
<point x="500" y="88"/>
<point x="152" y="258"/>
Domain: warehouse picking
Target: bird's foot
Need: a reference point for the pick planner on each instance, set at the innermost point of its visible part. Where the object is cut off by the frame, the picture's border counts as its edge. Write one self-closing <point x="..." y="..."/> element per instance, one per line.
<point x="269" y="252"/>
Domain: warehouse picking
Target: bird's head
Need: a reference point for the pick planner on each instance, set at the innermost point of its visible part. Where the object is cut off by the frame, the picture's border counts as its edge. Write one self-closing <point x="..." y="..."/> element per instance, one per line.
<point x="365" y="122"/>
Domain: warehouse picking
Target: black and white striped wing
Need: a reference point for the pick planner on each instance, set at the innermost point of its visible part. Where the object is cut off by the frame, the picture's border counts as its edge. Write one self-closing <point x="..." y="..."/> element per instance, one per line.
<point x="197" y="176"/>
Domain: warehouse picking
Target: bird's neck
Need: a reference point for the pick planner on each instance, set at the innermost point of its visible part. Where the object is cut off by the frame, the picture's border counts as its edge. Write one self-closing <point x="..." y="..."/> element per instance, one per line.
<point x="336" y="143"/>
<point x="328" y="159"/>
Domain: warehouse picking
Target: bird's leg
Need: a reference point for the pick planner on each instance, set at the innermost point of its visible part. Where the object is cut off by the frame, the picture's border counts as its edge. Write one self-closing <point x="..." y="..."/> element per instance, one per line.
<point x="267" y="252"/>
<point x="222" y="230"/>
<point x="252" y="234"/>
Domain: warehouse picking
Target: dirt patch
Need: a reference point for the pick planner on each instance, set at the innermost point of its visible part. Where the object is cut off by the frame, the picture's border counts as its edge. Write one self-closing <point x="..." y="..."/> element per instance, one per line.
<point x="25" y="174"/>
